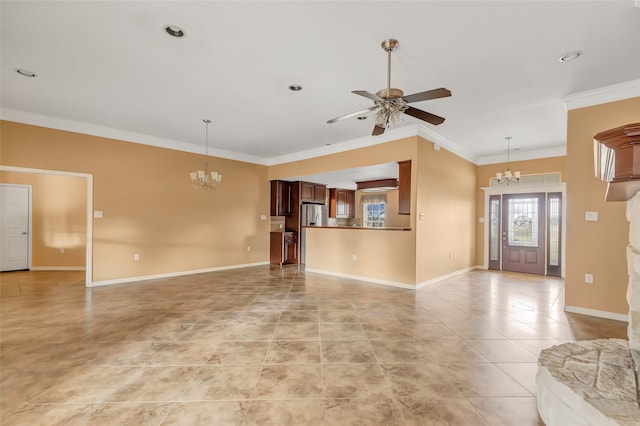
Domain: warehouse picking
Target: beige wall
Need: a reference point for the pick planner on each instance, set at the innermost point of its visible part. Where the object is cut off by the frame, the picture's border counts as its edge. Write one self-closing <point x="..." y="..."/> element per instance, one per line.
<point x="599" y="247"/>
<point x="528" y="167"/>
<point x="380" y="255"/>
<point x="149" y="205"/>
<point x="446" y="191"/>
<point x="59" y="218"/>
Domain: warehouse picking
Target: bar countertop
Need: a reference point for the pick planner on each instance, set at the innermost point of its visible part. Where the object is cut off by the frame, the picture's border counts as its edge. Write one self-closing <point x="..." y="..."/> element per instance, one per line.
<point x="390" y="228"/>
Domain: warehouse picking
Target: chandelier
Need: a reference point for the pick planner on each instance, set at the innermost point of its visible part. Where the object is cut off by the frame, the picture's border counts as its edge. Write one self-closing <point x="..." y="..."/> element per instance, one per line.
<point x="507" y="178"/>
<point x="202" y="178"/>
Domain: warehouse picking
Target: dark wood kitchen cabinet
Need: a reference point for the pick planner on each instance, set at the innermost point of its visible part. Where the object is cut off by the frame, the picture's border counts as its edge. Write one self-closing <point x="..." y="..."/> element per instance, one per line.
<point x="281" y="198"/>
<point x="342" y="203"/>
<point x="313" y="193"/>
<point x="284" y="248"/>
<point x="404" y="187"/>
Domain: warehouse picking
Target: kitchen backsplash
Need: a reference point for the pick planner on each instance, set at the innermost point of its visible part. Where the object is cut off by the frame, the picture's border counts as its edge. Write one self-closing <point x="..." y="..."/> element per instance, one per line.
<point x="277" y="223"/>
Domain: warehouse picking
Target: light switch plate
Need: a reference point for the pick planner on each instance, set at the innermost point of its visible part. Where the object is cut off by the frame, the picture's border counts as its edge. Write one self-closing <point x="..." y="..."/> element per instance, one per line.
<point x="263" y="217"/>
<point x="591" y="216"/>
<point x="97" y="214"/>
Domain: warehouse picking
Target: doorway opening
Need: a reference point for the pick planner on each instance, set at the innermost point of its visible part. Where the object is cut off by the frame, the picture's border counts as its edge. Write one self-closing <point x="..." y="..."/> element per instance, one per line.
<point x="88" y="178"/>
<point x="524" y="230"/>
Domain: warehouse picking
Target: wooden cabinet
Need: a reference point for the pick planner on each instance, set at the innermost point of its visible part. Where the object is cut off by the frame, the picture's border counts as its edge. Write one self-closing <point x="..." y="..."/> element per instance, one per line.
<point x="284" y="248"/>
<point x="342" y="203"/>
<point x="404" y="187"/>
<point x="313" y="193"/>
<point x="281" y="198"/>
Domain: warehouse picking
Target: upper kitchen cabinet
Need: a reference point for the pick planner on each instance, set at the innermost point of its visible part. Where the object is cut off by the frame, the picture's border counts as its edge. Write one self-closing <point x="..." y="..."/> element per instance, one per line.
<point x="342" y="203"/>
<point x="281" y="198"/>
<point x="404" y="187"/>
<point x="313" y="193"/>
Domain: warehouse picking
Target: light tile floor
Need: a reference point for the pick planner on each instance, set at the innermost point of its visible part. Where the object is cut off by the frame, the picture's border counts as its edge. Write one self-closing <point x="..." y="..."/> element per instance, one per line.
<point x="279" y="346"/>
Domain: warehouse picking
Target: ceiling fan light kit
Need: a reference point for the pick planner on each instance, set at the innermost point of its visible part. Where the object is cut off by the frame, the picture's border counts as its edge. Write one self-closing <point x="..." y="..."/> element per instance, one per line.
<point x="390" y="103"/>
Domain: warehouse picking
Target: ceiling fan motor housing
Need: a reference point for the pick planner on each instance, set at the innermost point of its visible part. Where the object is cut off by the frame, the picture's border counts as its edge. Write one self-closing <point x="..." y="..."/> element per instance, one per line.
<point x="390" y="94"/>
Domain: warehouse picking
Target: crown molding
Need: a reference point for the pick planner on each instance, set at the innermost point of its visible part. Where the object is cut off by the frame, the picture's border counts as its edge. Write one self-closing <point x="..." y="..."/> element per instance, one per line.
<point x="123" y="135"/>
<point x="390" y="135"/>
<point x="337" y="147"/>
<point x="603" y="95"/>
<point x="535" y="154"/>
<point x="440" y="141"/>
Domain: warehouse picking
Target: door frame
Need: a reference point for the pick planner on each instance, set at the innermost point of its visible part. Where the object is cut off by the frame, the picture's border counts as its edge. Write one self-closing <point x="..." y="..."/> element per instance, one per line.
<point x="89" y="237"/>
<point x="526" y="189"/>
<point x="30" y="219"/>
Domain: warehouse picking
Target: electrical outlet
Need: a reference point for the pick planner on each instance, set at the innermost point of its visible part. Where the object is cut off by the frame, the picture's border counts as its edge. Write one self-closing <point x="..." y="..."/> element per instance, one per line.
<point x="248" y="248"/>
<point x="62" y="250"/>
<point x="136" y="257"/>
<point x="354" y="257"/>
<point x="588" y="278"/>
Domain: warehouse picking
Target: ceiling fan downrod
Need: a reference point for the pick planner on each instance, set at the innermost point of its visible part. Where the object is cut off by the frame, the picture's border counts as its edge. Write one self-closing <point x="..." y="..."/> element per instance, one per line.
<point x="389" y="45"/>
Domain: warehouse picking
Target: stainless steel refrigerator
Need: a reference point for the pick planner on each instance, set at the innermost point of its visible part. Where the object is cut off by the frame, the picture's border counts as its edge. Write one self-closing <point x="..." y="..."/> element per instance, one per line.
<point x="311" y="215"/>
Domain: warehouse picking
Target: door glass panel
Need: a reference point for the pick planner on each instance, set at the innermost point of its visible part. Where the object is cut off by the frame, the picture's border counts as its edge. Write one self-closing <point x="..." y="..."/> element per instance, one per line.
<point x="554" y="229"/>
<point x="494" y="229"/>
<point x="522" y="226"/>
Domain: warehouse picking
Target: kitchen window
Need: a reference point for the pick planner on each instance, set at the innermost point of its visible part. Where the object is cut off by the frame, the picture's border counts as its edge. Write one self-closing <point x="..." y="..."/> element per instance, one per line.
<point x="373" y="215"/>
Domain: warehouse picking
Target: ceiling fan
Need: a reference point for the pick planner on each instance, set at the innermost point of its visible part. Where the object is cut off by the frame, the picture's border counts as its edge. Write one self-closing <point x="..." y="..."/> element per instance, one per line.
<point x="391" y="103"/>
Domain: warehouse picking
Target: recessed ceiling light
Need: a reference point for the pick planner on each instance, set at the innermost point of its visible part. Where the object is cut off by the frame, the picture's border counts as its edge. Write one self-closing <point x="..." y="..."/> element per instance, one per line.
<point x="175" y="31"/>
<point x="295" y="88"/>
<point x="570" y="56"/>
<point x="25" y="73"/>
<point x="362" y="117"/>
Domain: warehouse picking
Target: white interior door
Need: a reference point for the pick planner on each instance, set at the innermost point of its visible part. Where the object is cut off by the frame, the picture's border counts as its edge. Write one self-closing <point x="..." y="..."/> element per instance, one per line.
<point x="15" y="223"/>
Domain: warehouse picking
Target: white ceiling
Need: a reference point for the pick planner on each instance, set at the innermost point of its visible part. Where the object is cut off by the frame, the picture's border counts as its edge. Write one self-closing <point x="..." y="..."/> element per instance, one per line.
<point x="108" y="68"/>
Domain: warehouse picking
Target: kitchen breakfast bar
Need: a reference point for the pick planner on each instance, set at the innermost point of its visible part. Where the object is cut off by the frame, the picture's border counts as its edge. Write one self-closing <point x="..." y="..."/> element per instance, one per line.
<point x="379" y="255"/>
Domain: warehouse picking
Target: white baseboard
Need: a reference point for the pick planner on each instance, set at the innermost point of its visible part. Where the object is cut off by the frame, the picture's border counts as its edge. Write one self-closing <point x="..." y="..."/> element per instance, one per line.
<point x="361" y="278"/>
<point x="391" y="283"/>
<point x="57" y="268"/>
<point x="174" y="274"/>
<point x="597" y="313"/>
<point x="447" y="276"/>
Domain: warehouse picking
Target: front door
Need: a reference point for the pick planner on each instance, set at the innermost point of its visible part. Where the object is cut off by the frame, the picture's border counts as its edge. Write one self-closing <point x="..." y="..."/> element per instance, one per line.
<point x="14" y="227"/>
<point x="523" y="236"/>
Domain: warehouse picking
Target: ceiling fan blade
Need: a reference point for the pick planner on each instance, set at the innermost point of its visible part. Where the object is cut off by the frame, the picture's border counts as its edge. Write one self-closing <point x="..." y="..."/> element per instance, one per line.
<point x="368" y="95"/>
<point x="429" y="94"/>
<point x="424" y="115"/>
<point x="352" y="114"/>
<point x="377" y="130"/>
